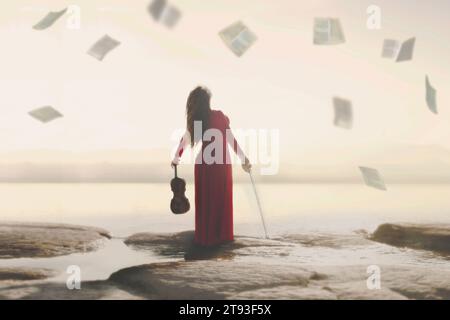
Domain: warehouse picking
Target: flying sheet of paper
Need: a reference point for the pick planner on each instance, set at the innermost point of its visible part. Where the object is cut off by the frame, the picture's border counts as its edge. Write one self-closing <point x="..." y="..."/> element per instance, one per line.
<point x="102" y="47"/>
<point x="343" y="115"/>
<point x="45" y="114"/>
<point x="372" y="178"/>
<point x="391" y="49"/>
<point x="238" y="38"/>
<point x="328" y="31"/>
<point x="49" y="20"/>
<point x="430" y="96"/>
<point x="156" y="8"/>
<point x="170" y="17"/>
<point x="407" y="50"/>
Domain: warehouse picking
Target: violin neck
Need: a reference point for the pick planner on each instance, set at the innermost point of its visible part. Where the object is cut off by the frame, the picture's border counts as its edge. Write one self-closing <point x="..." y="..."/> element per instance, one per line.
<point x="176" y="175"/>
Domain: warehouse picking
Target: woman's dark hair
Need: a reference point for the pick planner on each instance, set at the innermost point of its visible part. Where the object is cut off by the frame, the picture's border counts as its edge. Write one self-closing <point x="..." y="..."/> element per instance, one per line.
<point x="198" y="109"/>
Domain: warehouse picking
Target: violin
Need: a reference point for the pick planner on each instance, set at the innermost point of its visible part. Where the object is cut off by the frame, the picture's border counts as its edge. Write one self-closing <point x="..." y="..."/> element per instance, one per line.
<point x="179" y="203"/>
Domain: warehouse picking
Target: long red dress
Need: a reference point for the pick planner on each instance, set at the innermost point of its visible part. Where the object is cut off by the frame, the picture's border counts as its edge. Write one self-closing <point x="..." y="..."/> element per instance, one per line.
<point x="213" y="187"/>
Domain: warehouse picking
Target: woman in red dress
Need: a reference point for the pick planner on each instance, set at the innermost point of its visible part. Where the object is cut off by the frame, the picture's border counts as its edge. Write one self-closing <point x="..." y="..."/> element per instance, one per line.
<point x="213" y="173"/>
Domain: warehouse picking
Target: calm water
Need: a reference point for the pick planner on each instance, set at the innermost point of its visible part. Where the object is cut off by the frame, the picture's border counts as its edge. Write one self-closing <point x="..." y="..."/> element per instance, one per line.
<point x="124" y="209"/>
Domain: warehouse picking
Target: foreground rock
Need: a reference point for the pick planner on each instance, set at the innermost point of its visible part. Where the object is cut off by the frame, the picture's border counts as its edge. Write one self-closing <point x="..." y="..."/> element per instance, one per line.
<point x="292" y="267"/>
<point x="226" y="279"/>
<point x="244" y="279"/>
<point x="24" y="274"/>
<point x="19" y="240"/>
<point x="41" y="290"/>
<point x="426" y="237"/>
<point x="251" y="268"/>
<point x="17" y="282"/>
<point x="398" y="282"/>
<point x="215" y="280"/>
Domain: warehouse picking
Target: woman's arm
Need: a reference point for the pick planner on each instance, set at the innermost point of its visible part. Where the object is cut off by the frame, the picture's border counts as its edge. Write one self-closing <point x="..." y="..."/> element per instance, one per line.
<point x="184" y="142"/>
<point x="246" y="165"/>
<point x="235" y="145"/>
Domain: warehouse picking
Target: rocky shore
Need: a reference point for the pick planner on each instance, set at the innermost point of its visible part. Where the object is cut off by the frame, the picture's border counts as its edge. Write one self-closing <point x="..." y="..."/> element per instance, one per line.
<point x="248" y="268"/>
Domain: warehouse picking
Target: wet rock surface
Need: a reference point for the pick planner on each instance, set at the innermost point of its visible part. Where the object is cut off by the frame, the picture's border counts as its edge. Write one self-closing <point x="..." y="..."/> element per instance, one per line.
<point x="335" y="241"/>
<point x="209" y="279"/>
<point x="252" y="280"/>
<point x="20" y="240"/>
<point x="182" y="245"/>
<point x="248" y="268"/>
<point x="426" y="237"/>
<point x="24" y="274"/>
<point x="39" y="290"/>
<point x="225" y="279"/>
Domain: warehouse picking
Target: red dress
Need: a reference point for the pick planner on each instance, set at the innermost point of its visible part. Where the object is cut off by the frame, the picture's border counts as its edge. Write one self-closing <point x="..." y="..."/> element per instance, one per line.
<point x="213" y="187"/>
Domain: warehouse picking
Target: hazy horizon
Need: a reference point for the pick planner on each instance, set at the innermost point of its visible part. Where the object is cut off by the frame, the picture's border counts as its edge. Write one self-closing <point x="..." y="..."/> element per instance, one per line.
<point x="397" y="164"/>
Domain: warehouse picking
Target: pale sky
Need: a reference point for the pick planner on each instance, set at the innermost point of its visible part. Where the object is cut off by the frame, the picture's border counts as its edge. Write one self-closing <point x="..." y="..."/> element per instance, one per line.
<point x="135" y="98"/>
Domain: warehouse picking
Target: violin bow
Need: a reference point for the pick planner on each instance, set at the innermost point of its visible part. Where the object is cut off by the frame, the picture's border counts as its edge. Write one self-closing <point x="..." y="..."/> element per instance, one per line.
<point x="259" y="204"/>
